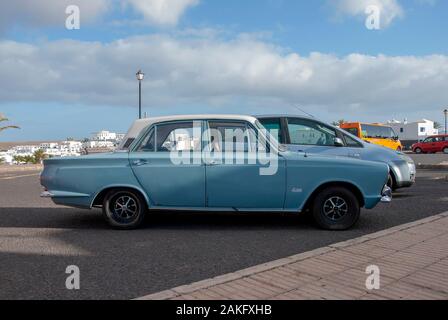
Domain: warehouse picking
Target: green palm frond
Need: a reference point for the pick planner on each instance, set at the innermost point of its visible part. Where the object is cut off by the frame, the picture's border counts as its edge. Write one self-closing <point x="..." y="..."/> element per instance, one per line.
<point x="9" y="127"/>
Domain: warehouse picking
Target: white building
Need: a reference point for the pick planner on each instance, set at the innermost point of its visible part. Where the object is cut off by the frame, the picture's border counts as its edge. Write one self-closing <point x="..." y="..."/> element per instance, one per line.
<point x="24" y="150"/>
<point x="70" y="147"/>
<point x="98" y="144"/>
<point x="48" y="145"/>
<point x="104" y="135"/>
<point x="411" y="132"/>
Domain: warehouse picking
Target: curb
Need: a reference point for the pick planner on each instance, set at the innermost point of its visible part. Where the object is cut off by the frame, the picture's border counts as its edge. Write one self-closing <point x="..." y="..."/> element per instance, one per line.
<point x="207" y="283"/>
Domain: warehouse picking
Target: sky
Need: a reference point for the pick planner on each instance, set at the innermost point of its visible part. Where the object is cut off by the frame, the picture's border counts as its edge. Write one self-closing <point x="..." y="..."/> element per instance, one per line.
<point x="218" y="56"/>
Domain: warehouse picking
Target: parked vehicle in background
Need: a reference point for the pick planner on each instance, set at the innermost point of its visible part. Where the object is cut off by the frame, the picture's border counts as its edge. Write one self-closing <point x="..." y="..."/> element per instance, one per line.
<point x="432" y="144"/>
<point x="374" y="133"/>
<point x="143" y="176"/>
<point x="307" y="134"/>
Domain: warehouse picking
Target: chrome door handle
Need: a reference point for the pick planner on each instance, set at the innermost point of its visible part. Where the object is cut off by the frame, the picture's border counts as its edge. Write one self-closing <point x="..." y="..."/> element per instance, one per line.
<point x="212" y="163"/>
<point x="140" y="162"/>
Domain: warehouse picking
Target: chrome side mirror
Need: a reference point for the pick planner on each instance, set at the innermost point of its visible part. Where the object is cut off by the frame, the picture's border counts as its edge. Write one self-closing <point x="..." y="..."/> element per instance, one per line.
<point x="338" y="142"/>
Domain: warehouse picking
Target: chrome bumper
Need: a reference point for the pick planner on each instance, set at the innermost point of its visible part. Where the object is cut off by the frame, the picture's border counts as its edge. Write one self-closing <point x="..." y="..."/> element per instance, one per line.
<point x="46" y="194"/>
<point x="386" y="194"/>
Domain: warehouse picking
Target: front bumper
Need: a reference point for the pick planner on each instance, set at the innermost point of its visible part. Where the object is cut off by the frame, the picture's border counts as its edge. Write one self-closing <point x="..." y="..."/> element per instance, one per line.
<point x="404" y="173"/>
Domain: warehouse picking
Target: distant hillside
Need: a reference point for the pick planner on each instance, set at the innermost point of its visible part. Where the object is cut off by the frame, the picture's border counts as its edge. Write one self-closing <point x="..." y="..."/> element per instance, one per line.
<point x="8" y="145"/>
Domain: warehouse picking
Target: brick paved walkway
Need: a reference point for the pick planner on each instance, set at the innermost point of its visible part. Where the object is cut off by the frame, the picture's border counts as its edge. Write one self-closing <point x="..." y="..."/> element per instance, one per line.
<point x="412" y="259"/>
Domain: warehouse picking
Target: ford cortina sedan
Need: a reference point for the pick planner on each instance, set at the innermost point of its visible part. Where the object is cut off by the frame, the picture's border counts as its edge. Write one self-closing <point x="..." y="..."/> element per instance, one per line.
<point x="215" y="163"/>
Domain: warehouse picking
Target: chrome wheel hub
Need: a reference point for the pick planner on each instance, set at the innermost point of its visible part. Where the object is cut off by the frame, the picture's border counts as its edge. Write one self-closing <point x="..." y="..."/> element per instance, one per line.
<point x="125" y="207"/>
<point x="335" y="208"/>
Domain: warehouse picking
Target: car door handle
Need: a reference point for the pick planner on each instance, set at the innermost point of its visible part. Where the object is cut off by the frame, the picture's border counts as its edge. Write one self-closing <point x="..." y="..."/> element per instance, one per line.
<point x="139" y="162"/>
<point x="212" y="163"/>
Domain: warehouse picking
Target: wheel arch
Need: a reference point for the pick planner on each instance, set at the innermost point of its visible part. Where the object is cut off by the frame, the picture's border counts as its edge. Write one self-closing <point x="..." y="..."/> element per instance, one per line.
<point x="99" y="197"/>
<point x="344" y="184"/>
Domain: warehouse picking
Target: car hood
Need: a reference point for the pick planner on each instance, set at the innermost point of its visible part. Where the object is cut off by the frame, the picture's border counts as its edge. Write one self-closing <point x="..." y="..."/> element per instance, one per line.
<point x="330" y="159"/>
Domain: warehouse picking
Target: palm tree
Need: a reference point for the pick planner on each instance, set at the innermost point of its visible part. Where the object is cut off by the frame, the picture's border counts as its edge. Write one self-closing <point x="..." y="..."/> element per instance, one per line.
<point x="338" y="123"/>
<point x="2" y="119"/>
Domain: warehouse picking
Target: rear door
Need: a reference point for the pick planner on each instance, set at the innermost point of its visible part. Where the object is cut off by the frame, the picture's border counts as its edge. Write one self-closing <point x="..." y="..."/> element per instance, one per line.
<point x="168" y="164"/>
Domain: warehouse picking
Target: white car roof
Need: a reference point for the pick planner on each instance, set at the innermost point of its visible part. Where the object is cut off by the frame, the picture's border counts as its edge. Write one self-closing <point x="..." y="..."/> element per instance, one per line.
<point x="140" y="124"/>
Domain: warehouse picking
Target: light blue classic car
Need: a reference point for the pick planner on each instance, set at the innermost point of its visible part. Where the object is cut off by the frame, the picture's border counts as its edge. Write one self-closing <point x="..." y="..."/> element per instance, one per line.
<point x="191" y="163"/>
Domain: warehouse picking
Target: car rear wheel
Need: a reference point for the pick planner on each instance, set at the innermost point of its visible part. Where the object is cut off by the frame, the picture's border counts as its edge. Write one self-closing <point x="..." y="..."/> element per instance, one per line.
<point x="418" y="150"/>
<point x="124" y="209"/>
<point x="336" y="208"/>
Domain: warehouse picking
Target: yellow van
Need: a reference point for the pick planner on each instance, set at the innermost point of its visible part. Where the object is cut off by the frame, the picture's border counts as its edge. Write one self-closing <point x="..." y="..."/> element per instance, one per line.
<point x="374" y="133"/>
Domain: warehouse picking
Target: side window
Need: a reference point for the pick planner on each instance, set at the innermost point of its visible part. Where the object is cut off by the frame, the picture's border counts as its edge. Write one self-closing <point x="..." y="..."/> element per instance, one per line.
<point x="274" y="127"/>
<point x="231" y="136"/>
<point x="308" y="132"/>
<point x="128" y="143"/>
<point x="352" y="142"/>
<point x="147" y="144"/>
<point x="177" y="137"/>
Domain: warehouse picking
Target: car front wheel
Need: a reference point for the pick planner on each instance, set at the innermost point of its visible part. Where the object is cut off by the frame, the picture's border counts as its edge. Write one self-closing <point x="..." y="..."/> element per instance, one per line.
<point x="336" y="208"/>
<point x="445" y="150"/>
<point x="124" y="209"/>
<point x="418" y="150"/>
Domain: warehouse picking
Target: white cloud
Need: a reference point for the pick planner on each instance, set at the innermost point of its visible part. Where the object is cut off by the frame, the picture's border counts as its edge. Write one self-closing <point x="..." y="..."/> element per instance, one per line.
<point x="163" y="12"/>
<point x="210" y="71"/>
<point x="47" y="12"/>
<point x="52" y="12"/>
<point x="390" y="9"/>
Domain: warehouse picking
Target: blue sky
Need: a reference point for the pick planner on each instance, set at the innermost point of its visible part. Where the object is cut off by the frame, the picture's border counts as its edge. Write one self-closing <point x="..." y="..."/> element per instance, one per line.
<point x="214" y="56"/>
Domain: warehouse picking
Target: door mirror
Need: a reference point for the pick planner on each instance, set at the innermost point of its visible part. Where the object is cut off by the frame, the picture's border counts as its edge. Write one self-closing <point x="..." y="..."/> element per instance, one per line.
<point x="338" y="142"/>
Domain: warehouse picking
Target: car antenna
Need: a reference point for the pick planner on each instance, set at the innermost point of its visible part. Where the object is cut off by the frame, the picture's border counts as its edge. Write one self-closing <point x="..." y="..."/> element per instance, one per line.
<point x="304" y="112"/>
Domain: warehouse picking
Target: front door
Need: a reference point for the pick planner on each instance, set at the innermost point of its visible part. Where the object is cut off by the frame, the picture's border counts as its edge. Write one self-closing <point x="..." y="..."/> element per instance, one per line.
<point x="313" y="137"/>
<point x="235" y="176"/>
<point x="167" y="163"/>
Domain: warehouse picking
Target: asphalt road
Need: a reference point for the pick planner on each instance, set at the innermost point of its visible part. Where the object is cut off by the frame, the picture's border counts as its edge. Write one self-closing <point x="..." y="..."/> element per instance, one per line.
<point x="38" y="240"/>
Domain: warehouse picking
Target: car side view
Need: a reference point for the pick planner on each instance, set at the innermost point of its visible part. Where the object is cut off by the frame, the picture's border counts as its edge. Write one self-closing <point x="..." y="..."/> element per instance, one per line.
<point x="145" y="176"/>
<point x="306" y="134"/>
<point x="432" y="144"/>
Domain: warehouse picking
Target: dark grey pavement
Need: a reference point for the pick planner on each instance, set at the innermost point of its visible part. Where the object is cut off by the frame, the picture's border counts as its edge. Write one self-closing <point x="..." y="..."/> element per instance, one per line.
<point x="38" y="240"/>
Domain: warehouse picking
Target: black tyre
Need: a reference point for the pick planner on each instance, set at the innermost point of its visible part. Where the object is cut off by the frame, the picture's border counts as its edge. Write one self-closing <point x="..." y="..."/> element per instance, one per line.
<point x="336" y="208"/>
<point x="418" y="150"/>
<point x="124" y="209"/>
<point x="445" y="150"/>
<point x="390" y="182"/>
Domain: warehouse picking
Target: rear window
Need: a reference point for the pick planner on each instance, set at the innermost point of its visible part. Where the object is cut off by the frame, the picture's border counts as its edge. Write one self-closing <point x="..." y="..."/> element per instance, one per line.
<point x="128" y="143"/>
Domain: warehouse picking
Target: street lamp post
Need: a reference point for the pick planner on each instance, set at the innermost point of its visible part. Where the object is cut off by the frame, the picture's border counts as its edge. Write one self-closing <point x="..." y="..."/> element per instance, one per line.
<point x="445" y="112"/>
<point x="140" y="76"/>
